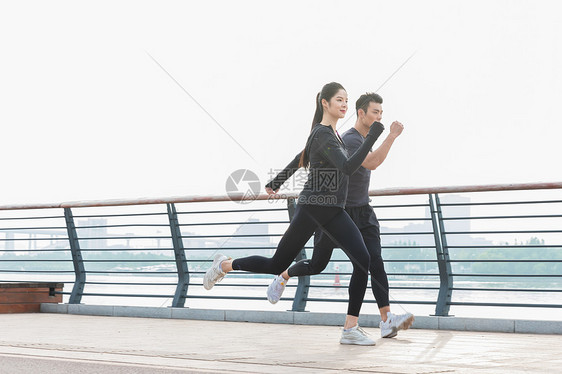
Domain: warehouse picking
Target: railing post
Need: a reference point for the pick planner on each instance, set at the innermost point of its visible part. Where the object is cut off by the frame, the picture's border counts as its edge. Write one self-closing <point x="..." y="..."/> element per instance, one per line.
<point x="301" y="294"/>
<point x="77" y="260"/>
<point x="181" y="261"/>
<point x="443" y="260"/>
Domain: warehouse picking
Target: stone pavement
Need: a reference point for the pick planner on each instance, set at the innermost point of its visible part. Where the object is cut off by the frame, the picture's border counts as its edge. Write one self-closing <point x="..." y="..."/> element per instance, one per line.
<point x="62" y="343"/>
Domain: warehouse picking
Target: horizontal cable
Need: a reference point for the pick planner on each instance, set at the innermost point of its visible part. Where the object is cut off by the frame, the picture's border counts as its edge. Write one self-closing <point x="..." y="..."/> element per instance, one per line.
<point x="227" y="297"/>
<point x="31" y="239"/>
<point x="505" y="289"/>
<point x="125" y="225"/>
<point x="124" y="249"/>
<point x="234" y="211"/>
<point x="501" y="217"/>
<point x="407" y="233"/>
<point x="402" y="219"/>
<point x="413" y="260"/>
<point x="416" y="302"/>
<point x="392" y="288"/>
<point x="509" y="275"/>
<point x="243" y="284"/>
<point x="412" y="288"/>
<point x="504" y="232"/>
<point x="400" y="206"/>
<point x="393" y="274"/>
<point x="233" y="223"/>
<point x="38" y="271"/>
<point x="36" y="250"/>
<point x="271" y="235"/>
<point x="513" y="246"/>
<point x="504" y="203"/>
<point x="408" y="247"/>
<point x="132" y="284"/>
<point x="29" y="260"/>
<point x="22" y="218"/>
<point x="506" y="305"/>
<point x="33" y="228"/>
<point x="120" y="215"/>
<point x="231" y="248"/>
<point x="131" y="272"/>
<point x="229" y="236"/>
<point x="126" y="295"/>
<point x="503" y="260"/>
<point x="126" y="237"/>
<point x="34" y="281"/>
<point x="311" y="286"/>
<point x="307" y="299"/>
<point x="234" y="273"/>
<point x="155" y="261"/>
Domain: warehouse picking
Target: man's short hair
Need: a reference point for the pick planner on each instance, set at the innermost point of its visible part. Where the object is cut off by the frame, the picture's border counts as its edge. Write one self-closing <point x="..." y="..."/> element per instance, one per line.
<point x="366" y="99"/>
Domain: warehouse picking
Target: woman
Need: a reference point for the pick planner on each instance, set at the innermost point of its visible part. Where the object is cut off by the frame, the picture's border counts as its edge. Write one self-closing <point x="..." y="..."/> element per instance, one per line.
<point x="320" y="206"/>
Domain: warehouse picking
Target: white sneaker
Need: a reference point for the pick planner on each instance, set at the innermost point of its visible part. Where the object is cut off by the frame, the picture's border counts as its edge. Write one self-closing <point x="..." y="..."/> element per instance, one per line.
<point x="356" y="335"/>
<point x="215" y="273"/>
<point x="389" y="329"/>
<point x="275" y="289"/>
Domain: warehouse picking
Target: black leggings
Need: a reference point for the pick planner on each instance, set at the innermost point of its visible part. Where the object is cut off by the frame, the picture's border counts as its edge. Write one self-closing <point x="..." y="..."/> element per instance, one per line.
<point x="339" y="227"/>
<point x="323" y="248"/>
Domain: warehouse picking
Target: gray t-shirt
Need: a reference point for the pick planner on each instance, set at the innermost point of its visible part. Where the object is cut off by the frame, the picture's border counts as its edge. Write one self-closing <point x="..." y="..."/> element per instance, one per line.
<point x="358" y="188"/>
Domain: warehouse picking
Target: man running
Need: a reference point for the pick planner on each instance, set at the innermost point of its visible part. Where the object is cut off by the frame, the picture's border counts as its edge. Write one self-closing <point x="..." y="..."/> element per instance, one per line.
<point x="369" y="109"/>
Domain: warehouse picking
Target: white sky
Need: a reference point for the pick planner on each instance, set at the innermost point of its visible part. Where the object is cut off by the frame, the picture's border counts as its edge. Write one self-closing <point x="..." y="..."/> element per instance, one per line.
<point x="87" y="114"/>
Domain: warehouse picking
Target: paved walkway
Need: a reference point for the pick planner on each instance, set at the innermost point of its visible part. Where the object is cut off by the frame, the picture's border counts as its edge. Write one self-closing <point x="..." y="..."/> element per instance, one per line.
<point x="60" y="343"/>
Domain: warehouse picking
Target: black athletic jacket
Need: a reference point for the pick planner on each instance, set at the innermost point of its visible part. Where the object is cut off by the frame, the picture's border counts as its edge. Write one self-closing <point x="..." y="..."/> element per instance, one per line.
<point x="330" y="166"/>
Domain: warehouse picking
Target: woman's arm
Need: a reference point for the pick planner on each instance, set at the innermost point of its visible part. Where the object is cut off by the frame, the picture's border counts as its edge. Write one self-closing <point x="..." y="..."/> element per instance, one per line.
<point x="274" y="185"/>
<point x="328" y="145"/>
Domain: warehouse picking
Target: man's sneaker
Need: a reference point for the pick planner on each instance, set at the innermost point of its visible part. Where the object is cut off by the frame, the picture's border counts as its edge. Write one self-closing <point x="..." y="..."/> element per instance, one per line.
<point x="389" y="329"/>
<point x="215" y="273"/>
<point x="356" y="335"/>
<point x="275" y="289"/>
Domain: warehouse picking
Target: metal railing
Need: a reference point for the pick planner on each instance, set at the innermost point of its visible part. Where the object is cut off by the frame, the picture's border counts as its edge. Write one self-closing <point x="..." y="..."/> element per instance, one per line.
<point x="437" y="242"/>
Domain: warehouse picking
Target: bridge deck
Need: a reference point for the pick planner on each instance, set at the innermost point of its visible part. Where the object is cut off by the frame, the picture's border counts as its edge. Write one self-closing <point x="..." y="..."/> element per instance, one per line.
<point x="55" y="343"/>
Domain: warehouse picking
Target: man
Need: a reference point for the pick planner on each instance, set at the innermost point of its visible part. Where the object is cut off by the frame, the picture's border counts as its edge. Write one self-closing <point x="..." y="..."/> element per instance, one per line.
<point x="369" y="109"/>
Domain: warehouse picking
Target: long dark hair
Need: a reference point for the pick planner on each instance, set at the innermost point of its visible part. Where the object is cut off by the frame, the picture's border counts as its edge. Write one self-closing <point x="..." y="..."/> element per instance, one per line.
<point x="328" y="91"/>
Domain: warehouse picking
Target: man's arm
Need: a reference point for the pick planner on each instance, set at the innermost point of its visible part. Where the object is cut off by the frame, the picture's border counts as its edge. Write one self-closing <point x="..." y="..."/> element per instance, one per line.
<point x="377" y="157"/>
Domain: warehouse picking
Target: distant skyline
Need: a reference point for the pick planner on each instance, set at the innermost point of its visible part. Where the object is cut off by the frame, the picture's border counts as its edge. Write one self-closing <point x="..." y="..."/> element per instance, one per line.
<point x="125" y="99"/>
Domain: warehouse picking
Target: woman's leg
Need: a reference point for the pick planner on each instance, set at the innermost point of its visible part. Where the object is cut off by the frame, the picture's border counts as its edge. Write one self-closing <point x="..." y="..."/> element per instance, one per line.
<point x="302" y="226"/>
<point x="323" y="248"/>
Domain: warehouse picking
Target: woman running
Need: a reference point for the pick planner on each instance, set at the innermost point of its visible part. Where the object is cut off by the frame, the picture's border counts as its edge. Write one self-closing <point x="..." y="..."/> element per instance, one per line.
<point x="320" y="206"/>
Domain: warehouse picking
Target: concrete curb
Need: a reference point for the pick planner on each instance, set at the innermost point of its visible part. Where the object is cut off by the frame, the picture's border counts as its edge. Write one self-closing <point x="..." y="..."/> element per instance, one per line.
<point x="307" y="318"/>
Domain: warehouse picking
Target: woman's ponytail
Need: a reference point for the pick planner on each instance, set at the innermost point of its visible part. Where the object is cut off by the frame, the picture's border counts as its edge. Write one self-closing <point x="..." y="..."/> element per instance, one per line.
<point x="304" y="161"/>
<point x="328" y="91"/>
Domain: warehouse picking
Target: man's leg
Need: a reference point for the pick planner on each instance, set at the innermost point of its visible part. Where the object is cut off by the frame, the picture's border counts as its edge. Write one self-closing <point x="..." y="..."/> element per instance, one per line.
<point x="379" y="279"/>
<point x="390" y="323"/>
